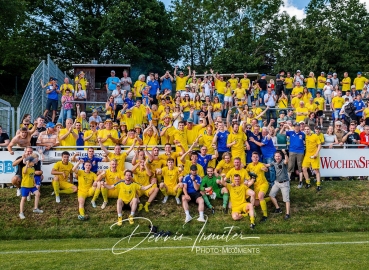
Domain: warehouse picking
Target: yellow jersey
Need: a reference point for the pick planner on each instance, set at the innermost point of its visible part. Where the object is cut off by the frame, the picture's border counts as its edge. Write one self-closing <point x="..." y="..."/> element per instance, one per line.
<point x="310" y="82"/>
<point x="301" y="117"/>
<point x="320" y="85"/>
<point x="28" y="178"/>
<point x="306" y="98"/>
<point x="312" y="143"/>
<point x="181" y="83"/>
<point x="127" y="192"/>
<point x="110" y="177"/>
<point x="170" y="176"/>
<point x="192" y="134"/>
<point x="138" y="114"/>
<point x="282" y="103"/>
<point x="227" y="92"/>
<point x="82" y="81"/>
<point x="121" y="159"/>
<point x="338" y="102"/>
<point x="242" y="172"/>
<point x="311" y="107"/>
<point x="233" y="83"/>
<point x="297" y="90"/>
<point x="289" y="82"/>
<point x="130" y="121"/>
<point x="240" y="92"/>
<point x="179" y="135"/>
<point x="237" y="194"/>
<point x="93" y="140"/>
<point x="207" y="140"/>
<point x="346" y="84"/>
<point x="85" y="180"/>
<point x="165" y="157"/>
<point x="141" y="177"/>
<point x="359" y="82"/>
<point x="240" y="139"/>
<point x="295" y="102"/>
<point x="64" y="87"/>
<point x="366" y="113"/>
<point x="221" y="85"/>
<point x="103" y="134"/>
<point x="139" y="86"/>
<point x="157" y="164"/>
<point x="245" y="83"/>
<point x="65" y="168"/>
<point x="186" y="169"/>
<point x="224" y="167"/>
<point x="69" y="140"/>
<point x="260" y="174"/>
<point x="321" y="102"/>
<point x="256" y="112"/>
<point x="186" y="105"/>
<point x="150" y="140"/>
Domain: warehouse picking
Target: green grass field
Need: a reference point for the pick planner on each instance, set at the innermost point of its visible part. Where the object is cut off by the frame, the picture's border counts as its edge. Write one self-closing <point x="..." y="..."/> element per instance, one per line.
<point x="327" y="230"/>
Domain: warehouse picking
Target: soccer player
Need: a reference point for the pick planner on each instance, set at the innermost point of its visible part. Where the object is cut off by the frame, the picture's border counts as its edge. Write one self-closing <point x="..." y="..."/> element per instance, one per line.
<point x="91" y="157"/>
<point x="282" y="182"/>
<point x="240" y="207"/>
<point x="127" y="195"/>
<point x="118" y="155"/>
<point x="62" y="170"/>
<point x="170" y="186"/>
<point x="112" y="176"/>
<point x="192" y="161"/>
<point x="311" y="159"/>
<point x="28" y="185"/>
<point x="210" y="184"/>
<point x="237" y="142"/>
<point x="141" y="176"/>
<point x="237" y="169"/>
<point x="191" y="186"/>
<point x="256" y="176"/>
<point x="87" y="180"/>
<point x="225" y="165"/>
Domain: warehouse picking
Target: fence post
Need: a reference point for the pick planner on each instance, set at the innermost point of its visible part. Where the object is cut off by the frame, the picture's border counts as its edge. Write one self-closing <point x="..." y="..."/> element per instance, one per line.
<point x="32" y="94"/>
<point x="13" y="122"/>
<point x="18" y="116"/>
<point x="43" y="78"/>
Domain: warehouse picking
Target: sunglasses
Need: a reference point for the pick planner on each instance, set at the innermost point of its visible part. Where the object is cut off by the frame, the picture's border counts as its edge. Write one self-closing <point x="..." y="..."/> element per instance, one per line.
<point x="92" y="126"/>
<point x="26" y="124"/>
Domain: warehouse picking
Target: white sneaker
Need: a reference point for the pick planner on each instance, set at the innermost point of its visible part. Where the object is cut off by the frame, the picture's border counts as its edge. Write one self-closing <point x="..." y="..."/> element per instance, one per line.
<point x="57" y="199"/>
<point x="38" y="211"/>
<point x="21" y="216"/>
<point x="93" y="204"/>
<point x="18" y="192"/>
<point x="104" y="205"/>
<point x="165" y="199"/>
<point x="201" y="219"/>
<point x="188" y="219"/>
<point x="29" y="197"/>
<point x="178" y="200"/>
<point x="300" y="185"/>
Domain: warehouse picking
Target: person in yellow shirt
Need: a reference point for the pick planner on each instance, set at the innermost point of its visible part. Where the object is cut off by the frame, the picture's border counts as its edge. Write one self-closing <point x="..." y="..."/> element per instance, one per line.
<point x="310" y="83"/>
<point x="127" y="195"/>
<point x="62" y="171"/>
<point x="66" y="85"/>
<point x="82" y="80"/>
<point x="128" y="119"/>
<point x="108" y="135"/>
<point x="282" y="101"/>
<point x="139" y="86"/>
<point x="301" y="112"/>
<point x="132" y="138"/>
<point x="180" y="79"/>
<point x="233" y="81"/>
<point x="366" y="114"/>
<point x="337" y="103"/>
<point x="245" y="82"/>
<point x="118" y="155"/>
<point x="172" y="185"/>
<point x="346" y="83"/>
<point x="220" y="85"/>
<point x="237" y="142"/>
<point x="320" y="102"/>
<point x="225" y="165"/>
<point x="68" y="135"/>
<point x="141" y="176"/>
<point x="193" y="161"/>
<point x="240" y="207"/>
<point x="311" y="106"/>
<point x="179" y="136"/>
<point x="150" y="136"/>
<point x="321" y="81"/>
<point x="289" y="83"/>
<point x="28" y="185"/>
<point x="186" y="107"/>
<point x="311" y="158"/>
<point x="139" y="113"/>
<point x="87" y="183"/>
<point x="90" y="136"/>
<point x="295" y="102"/>
<point x="306" y="95"/>
<point x="359" y="82"/>
<point x="297" y="89"/>
<point x="256" y="176"/>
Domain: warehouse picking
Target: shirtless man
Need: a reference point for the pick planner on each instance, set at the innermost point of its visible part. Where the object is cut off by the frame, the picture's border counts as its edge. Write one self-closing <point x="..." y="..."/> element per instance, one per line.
<point x="23" y="139"/>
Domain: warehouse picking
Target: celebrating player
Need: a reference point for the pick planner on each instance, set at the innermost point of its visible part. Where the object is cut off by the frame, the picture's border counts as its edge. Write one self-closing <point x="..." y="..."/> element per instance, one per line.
<point x="170" y="186"/>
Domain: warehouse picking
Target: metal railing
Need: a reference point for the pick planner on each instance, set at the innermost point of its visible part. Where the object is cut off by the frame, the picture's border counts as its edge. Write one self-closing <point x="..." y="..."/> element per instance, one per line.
<point x="7" y="117"/>
<point x="34" y="98"/>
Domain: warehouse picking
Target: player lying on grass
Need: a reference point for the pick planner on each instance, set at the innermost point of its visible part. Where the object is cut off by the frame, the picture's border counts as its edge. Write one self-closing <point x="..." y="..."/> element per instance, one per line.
<point x="240" y="207"/>
<point x="28" y="185"/>
<point x="87" y="183"/>
<point x="127" y="195"/>
<point x="172" y="185"/>
<point x="211" y="186"/>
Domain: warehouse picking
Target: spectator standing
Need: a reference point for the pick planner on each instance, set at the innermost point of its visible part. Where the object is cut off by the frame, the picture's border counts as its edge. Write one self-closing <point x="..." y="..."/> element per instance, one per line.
<point x="299" y="77"/>
<point x="111" y="83"/>
<point x="270" y="100"/>
<point x="167" y="81"/>
<point x="66" y="110"/>
<point x="335" y="81"/>
<point x="346" y="83"/>
<point x="95" y="117"/>
<point x="80" y="95"/>
<point x="66" y="85"/>
<point x="359" y="107"/>
<point x="139" y="86"/>
<point x="296" y="149"/>
<point x="82" y="80"/>
<point x="359" y="82"/>
<point x="52" y="92"/>
<point x="4" y="138"/>
<point x="118" y="95"/>
<point x="262" y="83"/>
<point x="126" y="82"/>
<point x="154" y="87"/>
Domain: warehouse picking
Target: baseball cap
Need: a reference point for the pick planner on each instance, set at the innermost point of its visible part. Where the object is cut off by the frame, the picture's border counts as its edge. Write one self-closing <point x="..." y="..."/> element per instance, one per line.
<point x="113" y="71"/>
<point x="189" y="120"/>
<point x="50" y="125"/>
<point x="58" y="124"/>
<point x="301" y="122"/>
<point x="115" y="124"/>
<point x="329" y="73"/>
<point x="262" y="75"/>
<point x="123" y="123"/>
<point x="296" y="124"/>
<point x="187" y="86"/>
<point x="81" y="73"/>
<point x="334" y="73"/>
<point x="338" y="123"/>
<point x="128" y="111"/>
<point x="193" y="168"/>
<point x="108" y="120"/>
<point x="298" y="71"/>
<point x="137" y="126"/>
<point x="30" y="159"/>
<point x="353" y="86"/>
<point x="359" y="73"/>
<point x="322" y="72"/>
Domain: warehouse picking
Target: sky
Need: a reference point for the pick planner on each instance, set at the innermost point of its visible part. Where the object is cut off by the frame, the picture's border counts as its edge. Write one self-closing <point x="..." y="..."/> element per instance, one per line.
<point x="292" y="7"/>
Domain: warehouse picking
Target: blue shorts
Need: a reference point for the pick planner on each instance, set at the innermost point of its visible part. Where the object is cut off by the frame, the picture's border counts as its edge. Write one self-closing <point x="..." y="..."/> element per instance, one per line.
<point x="25" y="191"/>
<point x="38" y="180"/>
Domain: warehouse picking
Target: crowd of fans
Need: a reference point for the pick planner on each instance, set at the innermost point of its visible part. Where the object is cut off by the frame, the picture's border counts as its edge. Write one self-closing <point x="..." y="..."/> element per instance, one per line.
<point x="232" y="139"/>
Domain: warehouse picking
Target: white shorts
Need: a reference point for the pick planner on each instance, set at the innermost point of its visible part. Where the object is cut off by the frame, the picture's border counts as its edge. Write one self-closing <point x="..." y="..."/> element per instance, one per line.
<point x="228" y="99"/>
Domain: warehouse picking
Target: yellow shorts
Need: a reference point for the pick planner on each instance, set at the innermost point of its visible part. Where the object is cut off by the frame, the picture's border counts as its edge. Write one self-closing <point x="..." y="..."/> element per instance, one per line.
<point x="172" y="190"/>
<point x="240" y="208"/>
<point x="263" y="188"/>
<point x="311" y="162"/>
<point x="146" y="192"/>
<point x="65" y="185"/>
<point x="86" y="193"/>
<point x="113" y="193"/>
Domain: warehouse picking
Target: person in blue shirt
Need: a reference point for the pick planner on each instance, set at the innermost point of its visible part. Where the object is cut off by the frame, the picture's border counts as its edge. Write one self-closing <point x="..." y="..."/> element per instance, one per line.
<point x="91" y="157"/>
<point x="191" y="190"/>
<point x="296" y="150"/>
<point x="359" y="106"/>
<point x="203" y="158"/>
<point x="253" y="137"/>
<point x="52" y="92"/>
<point x="154" y="87"/>
<point x="268" y="150"/>
<point x="80" y="141"/>
<point x="111" y="83"/>
<point x="167" y="81"/>
<point x="220" y="139"/>
<point x="129" y="100"/>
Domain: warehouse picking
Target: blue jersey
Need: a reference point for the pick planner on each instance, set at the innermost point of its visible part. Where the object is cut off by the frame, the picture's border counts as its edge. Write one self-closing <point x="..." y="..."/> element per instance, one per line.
<point x="94" y="162"/>
<point x="222" y="141"/>
<point x="112" y="86"/>
<point x="154" y="87"/>
<point x="188" y="181"/>
<point x="358" y="106"/>
<point x="80" y="141"/>
<point x="53" y="95"/>
<point x="204" y="160"/>
<point x="130" y="102"/>
<point x="296" y="141"/>
<point x="268" y="149"/>
<point x="166" y="84"/>
<point x="253" y="146"/>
